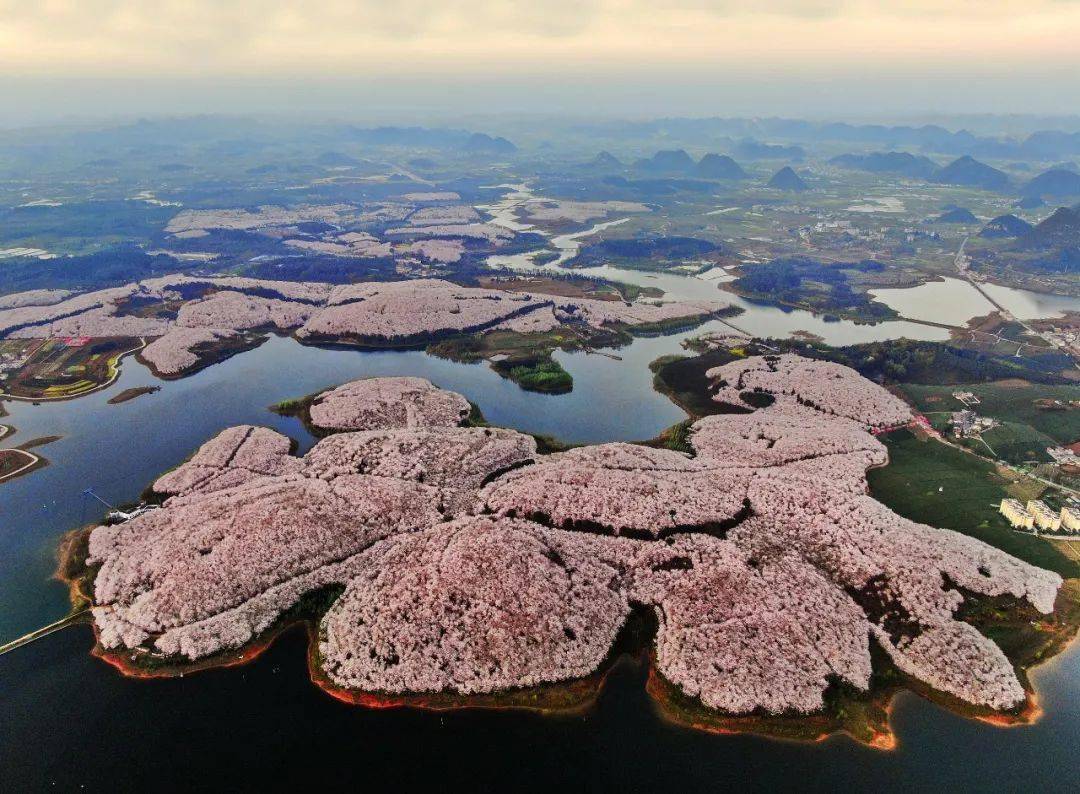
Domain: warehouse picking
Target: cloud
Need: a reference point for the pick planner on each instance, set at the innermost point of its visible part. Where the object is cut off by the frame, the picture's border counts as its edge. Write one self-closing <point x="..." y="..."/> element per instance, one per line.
<point x="343" y="37"/>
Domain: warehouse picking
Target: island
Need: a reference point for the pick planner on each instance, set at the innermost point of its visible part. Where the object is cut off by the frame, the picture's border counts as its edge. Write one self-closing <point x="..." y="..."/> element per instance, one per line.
<point x="130" y="394"/>
<point x="181" y="324"/>
<point x="20" y="460"/>
<point x="438" y="562"/>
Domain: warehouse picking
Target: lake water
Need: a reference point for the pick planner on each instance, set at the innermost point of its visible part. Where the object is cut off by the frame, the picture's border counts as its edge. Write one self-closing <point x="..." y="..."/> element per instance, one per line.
<point x="69" y="720"/>
<point x="950" y="301"/>
<point x="1032" y="305"/>
<point x="954" y="301"/>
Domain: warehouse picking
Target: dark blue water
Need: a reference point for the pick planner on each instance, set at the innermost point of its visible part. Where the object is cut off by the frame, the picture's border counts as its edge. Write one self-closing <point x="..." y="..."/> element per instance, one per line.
<point x="68" y="720"/>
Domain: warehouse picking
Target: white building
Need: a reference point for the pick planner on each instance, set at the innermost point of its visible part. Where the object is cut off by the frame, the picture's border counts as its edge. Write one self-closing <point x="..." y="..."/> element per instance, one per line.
<point x="1043" y="517"/>
<point x="1017" y="514"/>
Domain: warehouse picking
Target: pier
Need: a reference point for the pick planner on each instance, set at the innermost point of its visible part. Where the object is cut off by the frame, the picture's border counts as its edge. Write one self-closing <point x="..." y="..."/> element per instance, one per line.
<point x="70" y="620"/>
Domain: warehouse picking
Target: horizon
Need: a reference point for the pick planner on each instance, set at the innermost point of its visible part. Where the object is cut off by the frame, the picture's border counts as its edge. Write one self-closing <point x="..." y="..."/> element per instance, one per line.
<point x="33" y="104"/>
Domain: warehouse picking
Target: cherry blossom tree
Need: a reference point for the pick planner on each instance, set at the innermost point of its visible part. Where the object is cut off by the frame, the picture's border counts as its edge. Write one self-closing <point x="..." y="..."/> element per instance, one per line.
<point x="471" y="564"/>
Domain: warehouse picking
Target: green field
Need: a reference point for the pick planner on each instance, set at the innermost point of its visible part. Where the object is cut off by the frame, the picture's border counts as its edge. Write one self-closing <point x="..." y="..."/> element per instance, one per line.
<point x="934" y="484"/>
<point x="1011" y="401"/>
<point x="1027" y="429"/>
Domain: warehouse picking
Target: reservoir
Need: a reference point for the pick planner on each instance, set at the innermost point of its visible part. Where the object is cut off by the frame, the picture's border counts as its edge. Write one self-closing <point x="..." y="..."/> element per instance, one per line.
<point x="266" y="726"/>
<point x="953" y="301"/>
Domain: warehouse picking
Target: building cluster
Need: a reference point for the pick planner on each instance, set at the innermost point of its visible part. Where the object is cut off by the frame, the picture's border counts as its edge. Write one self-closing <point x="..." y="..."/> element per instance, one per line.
<point x="839" y="234"/>
<point x="1037" y="516"/>
<point x="1066" y="339"/>
<point x="967" y="423"/>
<point x="1063" y="456"/>
<point x="37" y="253"/>
<point x="10" y="362"/>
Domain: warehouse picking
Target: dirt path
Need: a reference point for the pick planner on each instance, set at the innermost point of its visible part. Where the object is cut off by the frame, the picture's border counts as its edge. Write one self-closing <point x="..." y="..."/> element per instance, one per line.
<point x="32" y="460"/>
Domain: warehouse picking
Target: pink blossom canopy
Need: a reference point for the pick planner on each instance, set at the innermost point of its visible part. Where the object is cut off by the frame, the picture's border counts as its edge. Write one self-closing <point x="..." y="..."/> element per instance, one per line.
<point x="465" y="568"/>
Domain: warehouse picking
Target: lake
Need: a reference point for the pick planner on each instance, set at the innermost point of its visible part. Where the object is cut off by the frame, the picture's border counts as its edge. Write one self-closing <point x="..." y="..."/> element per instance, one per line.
<point x="69" y="720"/>
<point x="953" y="301"/>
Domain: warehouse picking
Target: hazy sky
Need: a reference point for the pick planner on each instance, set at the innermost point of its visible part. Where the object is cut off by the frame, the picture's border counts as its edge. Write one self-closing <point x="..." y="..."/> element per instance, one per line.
<point x="609" y="54"/>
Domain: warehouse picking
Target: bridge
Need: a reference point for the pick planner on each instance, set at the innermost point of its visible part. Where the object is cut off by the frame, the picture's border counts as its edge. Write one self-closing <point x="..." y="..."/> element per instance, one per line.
<point x="70" y="620"/>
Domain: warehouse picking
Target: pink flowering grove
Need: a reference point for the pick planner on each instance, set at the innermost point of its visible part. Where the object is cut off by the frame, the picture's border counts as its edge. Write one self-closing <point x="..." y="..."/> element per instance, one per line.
<point x="213" y="310"/>
<point x="472" y="564"/>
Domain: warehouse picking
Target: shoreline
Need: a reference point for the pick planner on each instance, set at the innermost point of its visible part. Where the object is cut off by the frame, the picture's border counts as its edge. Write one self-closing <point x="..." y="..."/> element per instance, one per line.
<point x="37" y="462"/>
<point x="34" y="463"/>
<point x="114" y="373"/>
<point x="870" y="724"/>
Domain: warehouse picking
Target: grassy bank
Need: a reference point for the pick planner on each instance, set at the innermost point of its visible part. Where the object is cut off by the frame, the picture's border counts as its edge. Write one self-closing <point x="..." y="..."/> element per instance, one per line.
<point x="935" y="484"/>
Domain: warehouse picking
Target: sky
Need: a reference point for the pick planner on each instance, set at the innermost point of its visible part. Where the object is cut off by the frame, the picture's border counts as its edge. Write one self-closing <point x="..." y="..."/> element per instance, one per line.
<point x="619" y="57"/>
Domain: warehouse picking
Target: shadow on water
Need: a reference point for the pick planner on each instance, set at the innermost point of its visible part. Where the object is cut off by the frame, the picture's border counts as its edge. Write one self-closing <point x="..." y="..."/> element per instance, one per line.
<point x="69" y="721"/>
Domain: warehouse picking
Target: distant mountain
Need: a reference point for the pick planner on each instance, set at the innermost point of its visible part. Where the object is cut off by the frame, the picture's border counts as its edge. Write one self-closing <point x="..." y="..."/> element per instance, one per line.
<point x="1068" y="165"/>
<point x="749" y="149"/>
<point x="425" y="137"/>
<point x="605" y="161"/>
<point x="1057" y="241"/>
<point x="238" y="147"/>
<point x="1041" y="146"/>
<point x="787" y="179"/>
<point x="958" y="215"/>
<point x="969" y="172"/>
<point x="335" y="160"/>
<point x="1030" y="203"/>
<point x="1006" y="226"/>
<point x="1052" y="144"/>
<point x="667" y="161"/>
<point x="719" y="166"/>
<point x="1055" y="183"/>
<point x="902" y="163"/>
<point x="1060" y="230"/>
<point x="482" y="143"/>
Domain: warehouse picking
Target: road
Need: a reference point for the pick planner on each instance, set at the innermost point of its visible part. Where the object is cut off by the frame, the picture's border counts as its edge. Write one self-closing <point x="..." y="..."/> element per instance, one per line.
<point x="964" y="272"/>
<point x="1013" y="469"/>
<point x="32" y="460"/>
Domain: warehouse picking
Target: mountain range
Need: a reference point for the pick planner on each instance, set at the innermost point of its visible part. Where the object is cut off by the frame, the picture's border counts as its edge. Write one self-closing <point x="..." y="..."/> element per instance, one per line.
<point x="902" y="163"/>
